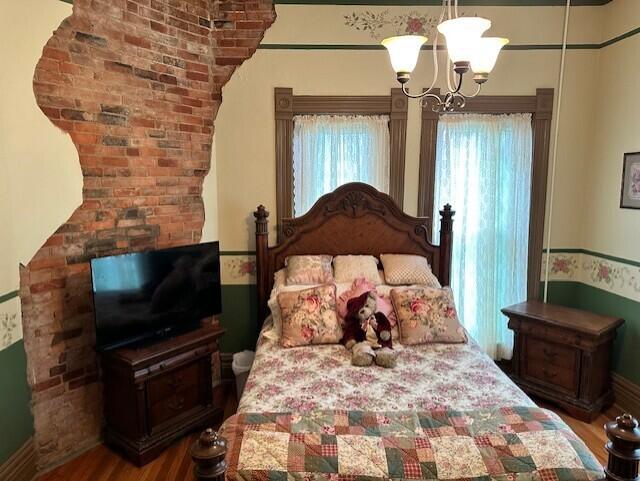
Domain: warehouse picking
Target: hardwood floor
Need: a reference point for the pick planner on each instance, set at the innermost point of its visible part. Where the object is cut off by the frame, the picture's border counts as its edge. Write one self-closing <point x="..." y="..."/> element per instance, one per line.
<point x="102" y="464"/>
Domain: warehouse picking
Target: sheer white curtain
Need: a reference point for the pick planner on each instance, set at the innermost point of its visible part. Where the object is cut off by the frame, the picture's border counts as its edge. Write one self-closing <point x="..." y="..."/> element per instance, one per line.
<point x="483" y="169"/>
<point x="331" y="150"/>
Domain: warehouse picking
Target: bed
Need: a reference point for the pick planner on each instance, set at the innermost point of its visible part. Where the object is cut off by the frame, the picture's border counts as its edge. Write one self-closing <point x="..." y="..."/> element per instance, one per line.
<point x="446" y="411"/>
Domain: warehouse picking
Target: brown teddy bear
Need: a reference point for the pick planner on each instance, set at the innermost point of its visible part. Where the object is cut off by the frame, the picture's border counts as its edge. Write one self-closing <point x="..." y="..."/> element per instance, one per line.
<point x="367" y="333"/>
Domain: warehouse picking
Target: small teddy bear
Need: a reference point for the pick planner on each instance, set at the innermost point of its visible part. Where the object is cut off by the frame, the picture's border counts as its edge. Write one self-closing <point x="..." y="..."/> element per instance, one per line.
<point x="367" y="333"/>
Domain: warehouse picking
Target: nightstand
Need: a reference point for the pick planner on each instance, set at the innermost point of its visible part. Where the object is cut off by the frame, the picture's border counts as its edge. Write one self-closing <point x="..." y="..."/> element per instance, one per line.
<point x="563" y="355"/>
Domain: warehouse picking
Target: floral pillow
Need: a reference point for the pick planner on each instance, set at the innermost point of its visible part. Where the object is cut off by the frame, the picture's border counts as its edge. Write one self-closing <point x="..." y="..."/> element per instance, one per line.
<point x="408" y="269"/>
<point x="309" y="317"/>
<point x="308" y="270"/>
<point x="427" y="315"/>
<point x="348" y="268"/>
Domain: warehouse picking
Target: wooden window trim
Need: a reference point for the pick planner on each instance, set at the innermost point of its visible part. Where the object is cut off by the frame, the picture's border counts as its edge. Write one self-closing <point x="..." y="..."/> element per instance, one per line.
<point x="540" y="106"/>
<point x="288" y="105"/>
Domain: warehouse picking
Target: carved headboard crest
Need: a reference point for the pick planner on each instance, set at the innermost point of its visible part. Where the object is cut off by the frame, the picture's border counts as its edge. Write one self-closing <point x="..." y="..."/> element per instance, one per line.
<point x="354" y="219"/>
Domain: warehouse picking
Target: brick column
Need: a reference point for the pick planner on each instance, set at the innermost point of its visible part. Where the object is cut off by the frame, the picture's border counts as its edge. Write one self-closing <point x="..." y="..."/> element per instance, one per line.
<point x="137" y="85"/>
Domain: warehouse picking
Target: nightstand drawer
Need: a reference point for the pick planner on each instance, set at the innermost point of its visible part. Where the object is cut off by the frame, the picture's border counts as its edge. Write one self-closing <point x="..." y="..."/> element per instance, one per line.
<point x="544" y="352"/>
<point x="563" y="378"/>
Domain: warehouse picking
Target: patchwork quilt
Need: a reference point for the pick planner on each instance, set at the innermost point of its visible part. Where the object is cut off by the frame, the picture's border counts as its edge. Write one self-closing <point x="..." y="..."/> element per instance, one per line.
<point x="504" y="444"/>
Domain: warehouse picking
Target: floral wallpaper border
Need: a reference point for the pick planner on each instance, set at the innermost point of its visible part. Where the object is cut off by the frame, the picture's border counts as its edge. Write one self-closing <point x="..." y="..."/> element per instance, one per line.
<point x="382" y="24"/>
<point x="609" y="275"/>
<point x="10" y="322"/>
<point x="238" y="269"/>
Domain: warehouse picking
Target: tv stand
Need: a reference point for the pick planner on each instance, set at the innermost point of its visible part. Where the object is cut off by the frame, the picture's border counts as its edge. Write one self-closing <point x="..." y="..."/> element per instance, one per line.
<point x="158" y="392"/>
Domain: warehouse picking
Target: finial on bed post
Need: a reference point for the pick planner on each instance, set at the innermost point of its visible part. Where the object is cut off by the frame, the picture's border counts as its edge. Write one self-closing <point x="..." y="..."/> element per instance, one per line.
<point x="446" y="244"/>
<point x="208" y="454"/>
<point x="623" y="448"/>
<point x="262" y="244"/>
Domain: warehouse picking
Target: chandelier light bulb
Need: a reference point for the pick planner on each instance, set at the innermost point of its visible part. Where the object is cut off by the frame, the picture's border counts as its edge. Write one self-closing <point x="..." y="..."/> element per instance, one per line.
<point x="462" y="35"/>
<point x="403" y="53"/>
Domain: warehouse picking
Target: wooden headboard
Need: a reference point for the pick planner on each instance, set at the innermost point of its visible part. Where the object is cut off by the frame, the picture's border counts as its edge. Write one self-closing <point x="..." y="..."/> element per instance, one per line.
<point x="353" y="219"/>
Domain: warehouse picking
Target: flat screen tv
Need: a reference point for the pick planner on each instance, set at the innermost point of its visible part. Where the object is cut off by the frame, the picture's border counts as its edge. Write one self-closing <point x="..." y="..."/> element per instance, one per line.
<point x="141" y="296"/>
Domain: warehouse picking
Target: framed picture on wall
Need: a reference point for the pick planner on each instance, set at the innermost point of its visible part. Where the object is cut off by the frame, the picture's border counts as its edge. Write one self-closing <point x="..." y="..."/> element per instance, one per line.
<point x="630" y="195"/>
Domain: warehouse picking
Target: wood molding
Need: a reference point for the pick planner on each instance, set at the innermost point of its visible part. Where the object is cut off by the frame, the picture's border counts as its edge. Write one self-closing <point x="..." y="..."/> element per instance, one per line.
<point x="287" y="105"/>
<point x="21" y="466"/>
<point x="540" y="106"/>
<point x="398" y="143"/>
<point x="427" y="168"/>
<point x="627" y="394"/>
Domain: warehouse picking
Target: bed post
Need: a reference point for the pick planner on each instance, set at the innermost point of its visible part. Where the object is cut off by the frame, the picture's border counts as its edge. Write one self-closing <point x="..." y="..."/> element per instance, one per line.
<point x="446" y="244"/>
<point x="623" y="448"/>
<point x="208" y="454"/>
<point x="262" y="269"/>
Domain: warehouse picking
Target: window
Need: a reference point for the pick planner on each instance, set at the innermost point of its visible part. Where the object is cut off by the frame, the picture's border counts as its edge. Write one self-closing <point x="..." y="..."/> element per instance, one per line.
<point x="331" y="150"/>
<point x="354" y="143"/>
<point x="483" y="168"/>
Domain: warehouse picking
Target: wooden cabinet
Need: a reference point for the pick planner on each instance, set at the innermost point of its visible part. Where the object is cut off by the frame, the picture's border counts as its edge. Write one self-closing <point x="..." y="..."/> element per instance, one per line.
<point x="157" y="393"/>
<point x="563" y="355"/>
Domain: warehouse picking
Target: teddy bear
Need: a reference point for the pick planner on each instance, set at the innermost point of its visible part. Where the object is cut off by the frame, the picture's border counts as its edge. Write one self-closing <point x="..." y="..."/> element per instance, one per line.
<point x="367" y="333"/>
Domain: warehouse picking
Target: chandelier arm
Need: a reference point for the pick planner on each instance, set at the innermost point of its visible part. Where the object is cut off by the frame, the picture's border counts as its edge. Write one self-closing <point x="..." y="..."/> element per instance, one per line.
<point x="474" y="94"/>
<point x="420" y="95"/>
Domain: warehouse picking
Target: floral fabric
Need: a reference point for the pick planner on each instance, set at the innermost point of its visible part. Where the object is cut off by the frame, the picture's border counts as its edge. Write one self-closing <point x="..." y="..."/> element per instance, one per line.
<point x="428" y="376"/>
<point x="512" y="443"/>
<point x="427" y="315"/>
<point x="308" y="270"/>
<point x="309" y="317"/>
<point x="405" y="269"/>
<point x="348" y="268"/>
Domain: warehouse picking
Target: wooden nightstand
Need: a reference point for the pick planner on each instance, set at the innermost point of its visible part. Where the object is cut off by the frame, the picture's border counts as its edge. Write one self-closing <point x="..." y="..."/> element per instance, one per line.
<point x="157" y="393"/>
<point x="563" y="355"/>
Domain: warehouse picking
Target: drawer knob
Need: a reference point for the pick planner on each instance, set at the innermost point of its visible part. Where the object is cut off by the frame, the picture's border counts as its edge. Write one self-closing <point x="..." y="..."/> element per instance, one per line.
<point x="549" y="374"/>
<point x="549" y="352"/>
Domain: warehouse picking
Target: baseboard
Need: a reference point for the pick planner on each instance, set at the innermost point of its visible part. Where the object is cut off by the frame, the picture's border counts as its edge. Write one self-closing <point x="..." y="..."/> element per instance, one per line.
<point x="627" y="394"/>
<point x="21" y="466"/>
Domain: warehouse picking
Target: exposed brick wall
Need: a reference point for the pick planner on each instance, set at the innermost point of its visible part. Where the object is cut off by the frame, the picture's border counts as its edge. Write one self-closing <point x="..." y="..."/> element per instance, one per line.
<point x="137" y="85"/>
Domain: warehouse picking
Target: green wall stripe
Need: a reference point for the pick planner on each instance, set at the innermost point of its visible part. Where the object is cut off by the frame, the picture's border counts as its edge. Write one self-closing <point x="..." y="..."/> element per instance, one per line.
<point x="418" y="3"/>
<point x="16" y="422"/>
<point x="518" y="47"/>
<point x="8" y="296"/>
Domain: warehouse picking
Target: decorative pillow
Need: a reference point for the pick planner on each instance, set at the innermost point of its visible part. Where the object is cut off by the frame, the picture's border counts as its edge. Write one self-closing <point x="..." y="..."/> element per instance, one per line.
<point x="309" y="317"/>
<point x="408" y="269"/>
<point x="359" y="287"/>
<point x="427" y="315"/>
<point x="309" y="270"/>
<point x="279" y="285"/>
<point x="348" y="268"/>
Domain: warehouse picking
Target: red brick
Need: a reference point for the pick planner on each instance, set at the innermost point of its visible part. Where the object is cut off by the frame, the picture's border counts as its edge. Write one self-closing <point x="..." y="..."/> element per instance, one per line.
<point x="136" y="84"/>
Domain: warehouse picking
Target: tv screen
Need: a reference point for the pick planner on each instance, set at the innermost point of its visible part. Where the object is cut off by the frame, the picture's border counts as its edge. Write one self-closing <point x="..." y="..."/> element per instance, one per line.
<point x="142" y="295"/>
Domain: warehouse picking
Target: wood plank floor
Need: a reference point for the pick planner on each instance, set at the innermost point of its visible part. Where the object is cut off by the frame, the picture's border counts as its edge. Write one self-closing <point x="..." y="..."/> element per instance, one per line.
<point x="103" y="464"/>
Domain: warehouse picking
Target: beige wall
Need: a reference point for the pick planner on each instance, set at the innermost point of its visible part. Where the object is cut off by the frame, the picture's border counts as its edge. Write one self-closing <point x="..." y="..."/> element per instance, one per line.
<point x="41" y="182"/>
<point x="607" y="228"/>
<point x="245" y="125"/>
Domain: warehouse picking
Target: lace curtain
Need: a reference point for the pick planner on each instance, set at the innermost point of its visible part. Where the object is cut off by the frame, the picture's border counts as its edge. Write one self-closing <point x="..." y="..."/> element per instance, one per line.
<point x="331" y="150"/>
<point x="483" y="169"/>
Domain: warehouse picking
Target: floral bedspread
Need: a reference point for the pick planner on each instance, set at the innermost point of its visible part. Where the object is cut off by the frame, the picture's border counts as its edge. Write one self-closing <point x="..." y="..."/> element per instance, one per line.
<point x="504" y="444"/>
<point x="427" y="377"/>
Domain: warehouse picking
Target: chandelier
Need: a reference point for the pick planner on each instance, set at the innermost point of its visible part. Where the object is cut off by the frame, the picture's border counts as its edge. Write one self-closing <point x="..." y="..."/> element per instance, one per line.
<point x="467" y="50"/>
